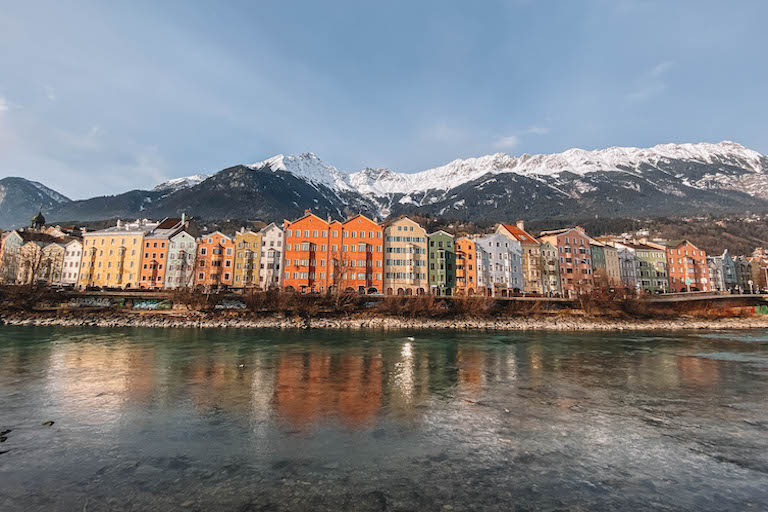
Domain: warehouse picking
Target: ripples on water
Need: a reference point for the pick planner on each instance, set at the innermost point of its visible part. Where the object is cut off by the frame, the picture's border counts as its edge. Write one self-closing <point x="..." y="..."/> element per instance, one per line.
<point x="335" y="420"/>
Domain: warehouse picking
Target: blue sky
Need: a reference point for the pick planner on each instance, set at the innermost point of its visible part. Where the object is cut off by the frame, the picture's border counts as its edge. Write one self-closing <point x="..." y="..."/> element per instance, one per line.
<point x="102" y="97"/>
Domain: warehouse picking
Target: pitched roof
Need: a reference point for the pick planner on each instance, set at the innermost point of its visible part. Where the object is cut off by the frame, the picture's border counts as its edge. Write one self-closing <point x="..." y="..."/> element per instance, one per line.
<point x="169" y="223"/>
<point x="520" y="234"/>
<point x="561" y="231"/>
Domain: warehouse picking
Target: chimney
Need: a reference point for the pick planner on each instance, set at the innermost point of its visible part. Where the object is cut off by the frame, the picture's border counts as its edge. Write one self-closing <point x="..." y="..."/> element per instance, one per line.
<point x="183" y="218"/>
<point x="521" y="224"/>
<point x="307" y="211"/>
<point x="119" y="223"/>
<point x="350" y="215"/>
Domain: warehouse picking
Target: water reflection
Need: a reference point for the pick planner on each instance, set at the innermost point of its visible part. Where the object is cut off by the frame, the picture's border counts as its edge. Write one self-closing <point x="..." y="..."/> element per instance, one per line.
<point x="301" y="383"/>
<point x="461" y="415"/>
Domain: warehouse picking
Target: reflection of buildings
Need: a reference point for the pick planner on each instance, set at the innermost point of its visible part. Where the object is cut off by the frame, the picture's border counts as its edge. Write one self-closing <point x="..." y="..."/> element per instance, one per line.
<point x="310" y="387"/>
<point x="699" y="372"/>
<point x="94" y="381"/>
<point x="471" y="363"/>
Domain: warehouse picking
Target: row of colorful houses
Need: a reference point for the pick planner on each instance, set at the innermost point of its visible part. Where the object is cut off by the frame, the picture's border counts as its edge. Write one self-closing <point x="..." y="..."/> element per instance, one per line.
<point x="399" y="257"/>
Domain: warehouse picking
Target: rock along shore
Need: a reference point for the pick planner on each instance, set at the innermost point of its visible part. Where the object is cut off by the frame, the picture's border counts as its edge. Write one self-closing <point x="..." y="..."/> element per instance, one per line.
<point x="533" y="323"/>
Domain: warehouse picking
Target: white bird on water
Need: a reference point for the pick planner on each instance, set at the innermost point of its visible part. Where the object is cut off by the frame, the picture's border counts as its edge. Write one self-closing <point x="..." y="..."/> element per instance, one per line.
<point x="411" y="338"/>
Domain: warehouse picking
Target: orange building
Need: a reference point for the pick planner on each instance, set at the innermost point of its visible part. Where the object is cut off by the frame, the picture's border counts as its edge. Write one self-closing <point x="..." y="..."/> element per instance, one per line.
<point x="312" y="253"/>
<point x="362" y="255"/>
<point x="466" y="268"/>
<point x="687" y="267"/>
<point x="155" y="252"/>
<point x="323" y="256"/>
<point x="215" y="260"/>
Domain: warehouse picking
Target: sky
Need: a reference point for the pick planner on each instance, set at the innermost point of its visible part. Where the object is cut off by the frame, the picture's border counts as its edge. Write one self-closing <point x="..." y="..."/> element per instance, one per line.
<point x="103" y="97"/>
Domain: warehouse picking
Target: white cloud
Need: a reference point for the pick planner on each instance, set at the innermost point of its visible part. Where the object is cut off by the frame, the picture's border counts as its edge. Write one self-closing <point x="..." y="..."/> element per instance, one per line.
<point x="508" y="142"/>
<point x="3" y="104"/>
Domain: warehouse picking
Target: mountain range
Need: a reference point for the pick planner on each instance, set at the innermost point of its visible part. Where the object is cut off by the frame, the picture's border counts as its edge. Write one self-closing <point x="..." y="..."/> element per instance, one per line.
<point x="668" y="179"/>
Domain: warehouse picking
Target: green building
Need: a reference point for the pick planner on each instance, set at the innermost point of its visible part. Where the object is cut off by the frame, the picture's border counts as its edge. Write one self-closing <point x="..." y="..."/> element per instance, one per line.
<point x="442" y="263"/>
<point x="650" y="265"/>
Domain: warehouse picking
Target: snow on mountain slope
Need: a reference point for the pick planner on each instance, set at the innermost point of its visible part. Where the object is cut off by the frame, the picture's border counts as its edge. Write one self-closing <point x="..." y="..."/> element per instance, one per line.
<point x="308" y="167"/>
<point x="181" y="183"/>
<point x="384" y="182"/>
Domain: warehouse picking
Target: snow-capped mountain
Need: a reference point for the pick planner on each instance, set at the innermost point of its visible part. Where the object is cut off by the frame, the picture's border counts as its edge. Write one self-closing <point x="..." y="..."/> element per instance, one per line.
<point x="669" y="179"/>
<point x="181" y="183"/>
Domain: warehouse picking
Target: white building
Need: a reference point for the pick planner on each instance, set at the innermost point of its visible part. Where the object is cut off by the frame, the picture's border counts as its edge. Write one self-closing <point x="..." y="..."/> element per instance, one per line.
<point x="499" y="265"/>
<point x="180" y="270"/>
<point x="271" y="259"/>
<point x="73" y="252"/>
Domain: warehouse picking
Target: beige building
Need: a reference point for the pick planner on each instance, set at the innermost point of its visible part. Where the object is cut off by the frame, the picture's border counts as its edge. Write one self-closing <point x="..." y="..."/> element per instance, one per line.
<point x="405" y="258"/>
<point x="40" y="262"/>
<point x="112" y="256"/>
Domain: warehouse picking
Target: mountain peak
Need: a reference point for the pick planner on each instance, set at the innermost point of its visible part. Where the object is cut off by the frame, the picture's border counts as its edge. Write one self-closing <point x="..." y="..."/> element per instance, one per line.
<point x="308" y="167"/>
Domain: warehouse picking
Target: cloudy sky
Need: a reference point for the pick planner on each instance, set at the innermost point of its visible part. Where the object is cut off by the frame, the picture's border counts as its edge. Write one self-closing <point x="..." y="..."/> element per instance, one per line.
<point x="100" y="97"/>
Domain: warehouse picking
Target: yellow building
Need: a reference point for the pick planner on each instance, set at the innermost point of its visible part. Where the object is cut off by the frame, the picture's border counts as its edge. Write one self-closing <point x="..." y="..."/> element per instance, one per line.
<point x="247" y="256"/>
<point x="112" y="256"/>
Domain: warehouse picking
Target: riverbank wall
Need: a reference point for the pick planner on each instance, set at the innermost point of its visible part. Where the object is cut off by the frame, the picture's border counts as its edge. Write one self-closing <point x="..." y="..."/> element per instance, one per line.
<point x="229" y="321"/>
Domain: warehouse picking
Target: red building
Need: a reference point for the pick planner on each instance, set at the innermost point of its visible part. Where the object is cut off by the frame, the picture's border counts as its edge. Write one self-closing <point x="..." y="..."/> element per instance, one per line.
<point x="687" y="268"/>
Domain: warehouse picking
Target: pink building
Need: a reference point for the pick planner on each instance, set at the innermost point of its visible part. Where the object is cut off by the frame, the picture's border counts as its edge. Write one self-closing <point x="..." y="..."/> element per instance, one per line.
<point x="575" y="259"/>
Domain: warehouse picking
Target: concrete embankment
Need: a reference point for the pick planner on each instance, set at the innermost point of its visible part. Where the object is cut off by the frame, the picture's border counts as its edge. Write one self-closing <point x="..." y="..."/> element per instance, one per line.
<point x="538" y="323"/>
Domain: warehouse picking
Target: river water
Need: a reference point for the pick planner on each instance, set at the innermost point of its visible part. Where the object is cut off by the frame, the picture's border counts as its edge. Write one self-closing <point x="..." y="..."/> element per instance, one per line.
<point x="150" y="419"/>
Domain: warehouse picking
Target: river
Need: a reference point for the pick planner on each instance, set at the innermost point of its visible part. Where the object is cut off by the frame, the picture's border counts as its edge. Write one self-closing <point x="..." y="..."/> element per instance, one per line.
<point x="267" y="420"/>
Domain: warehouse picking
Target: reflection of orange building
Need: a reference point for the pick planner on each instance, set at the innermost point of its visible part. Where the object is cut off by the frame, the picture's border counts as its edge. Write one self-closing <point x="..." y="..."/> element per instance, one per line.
<point x="215" y="260"/>
<point x="471" y="365"/>
<point x="466" y="270"/>
<point x="699" y="371"/>
<point x="362" y="255"/>
<point x="310" y="388"/>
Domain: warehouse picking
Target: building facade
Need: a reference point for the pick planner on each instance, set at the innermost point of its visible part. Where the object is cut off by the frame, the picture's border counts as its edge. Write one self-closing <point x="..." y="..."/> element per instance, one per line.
<point x="73" y="254"/>
<point x="466" y="266"/>
<point x="247" y="258"/>
<point x="627" y="267"/>
<point x="112" y="257"/>
<point x="650" y="266"/>
<point x="441" y="272"/>
<point x="499" y="265"/>
<point x="575" y="259"/>
<point x="550" y="270"/>
<point x="271" y="260"/>
<point x="215" y="261"/>
<point x="687" y="267"/>
<point x="405" y="258"/>
<point x="312" y="254"/>
<point x="605" y="265"/>
<point x="182" y="253"/>
<point x="362" y="255"/>
<point x="531" y="254"/>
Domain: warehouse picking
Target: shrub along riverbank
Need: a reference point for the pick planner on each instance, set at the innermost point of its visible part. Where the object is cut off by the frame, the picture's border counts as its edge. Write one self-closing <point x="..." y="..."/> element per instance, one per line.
<point x="189" y="308"/>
